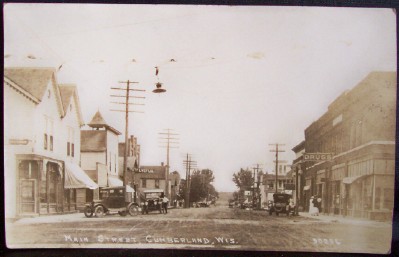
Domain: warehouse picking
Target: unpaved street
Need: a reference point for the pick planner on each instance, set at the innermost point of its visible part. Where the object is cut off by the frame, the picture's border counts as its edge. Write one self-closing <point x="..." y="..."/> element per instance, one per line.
<point x="214" y="227"/>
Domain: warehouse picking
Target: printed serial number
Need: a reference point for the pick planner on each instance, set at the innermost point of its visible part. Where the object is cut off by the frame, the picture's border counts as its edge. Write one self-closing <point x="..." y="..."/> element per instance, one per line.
<point x="326" y="241"/>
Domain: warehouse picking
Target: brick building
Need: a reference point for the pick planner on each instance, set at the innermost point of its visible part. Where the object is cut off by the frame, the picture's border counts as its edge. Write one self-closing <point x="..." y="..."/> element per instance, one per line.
<point x="359" y="130"/>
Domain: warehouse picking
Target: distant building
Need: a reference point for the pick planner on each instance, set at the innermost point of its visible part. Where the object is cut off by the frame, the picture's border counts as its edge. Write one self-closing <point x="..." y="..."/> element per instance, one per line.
<point x="99" y="154"/>
<point x="268" y="185"/>
<point x="133" y="160"/>
<point x="301" y="194"/>
<point x="42" y="120"/>
<point x="150" y="177"/>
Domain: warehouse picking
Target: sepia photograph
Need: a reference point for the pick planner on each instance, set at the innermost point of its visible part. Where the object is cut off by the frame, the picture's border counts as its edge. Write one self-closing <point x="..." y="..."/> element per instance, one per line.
<point x="199" y="127"/>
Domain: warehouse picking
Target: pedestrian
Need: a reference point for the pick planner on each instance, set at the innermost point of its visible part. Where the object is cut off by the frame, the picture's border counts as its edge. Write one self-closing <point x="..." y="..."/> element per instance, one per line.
<point x="313" y="211"/>
<point x="315" y="206"/>
<point x="165" y="202"/>
<point x="318" y="204"/>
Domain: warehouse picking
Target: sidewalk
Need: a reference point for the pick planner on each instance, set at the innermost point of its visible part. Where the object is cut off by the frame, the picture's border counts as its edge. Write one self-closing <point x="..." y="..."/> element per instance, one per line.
<point x="345" y="220"/>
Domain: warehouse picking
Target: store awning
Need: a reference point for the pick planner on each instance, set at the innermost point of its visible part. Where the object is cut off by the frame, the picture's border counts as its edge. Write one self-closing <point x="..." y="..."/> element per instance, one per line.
<point x="306" y="188"/>
<point x="116" y="182"/>
<point x="350" y="180"/>
<point x="75" y="177"/>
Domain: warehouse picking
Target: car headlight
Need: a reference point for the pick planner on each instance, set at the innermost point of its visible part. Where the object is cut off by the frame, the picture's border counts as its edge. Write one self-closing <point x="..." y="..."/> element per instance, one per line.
<point x="141" y="204"/>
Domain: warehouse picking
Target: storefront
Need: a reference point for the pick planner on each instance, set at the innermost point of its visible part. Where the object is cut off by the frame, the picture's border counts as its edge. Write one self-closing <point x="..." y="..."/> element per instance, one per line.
<point x="48" y="186"/>
<point x="370" y="188"/>
<point x="40" y="185"/>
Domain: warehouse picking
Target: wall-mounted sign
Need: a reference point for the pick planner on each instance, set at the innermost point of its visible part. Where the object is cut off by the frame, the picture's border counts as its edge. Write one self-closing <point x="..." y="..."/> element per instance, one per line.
<point x="18" y="141"/>
<point x="143" y="170"/>
<point x="317" y="156"/>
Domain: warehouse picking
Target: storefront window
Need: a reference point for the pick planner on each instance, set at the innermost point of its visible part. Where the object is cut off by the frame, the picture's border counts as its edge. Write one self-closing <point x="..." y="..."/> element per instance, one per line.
<point x="377" y="198"/>
<point x="388" y="198"/>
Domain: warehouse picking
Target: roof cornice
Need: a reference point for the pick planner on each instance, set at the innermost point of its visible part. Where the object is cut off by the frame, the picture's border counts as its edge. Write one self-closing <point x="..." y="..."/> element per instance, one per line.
<point x="21" y="90"/>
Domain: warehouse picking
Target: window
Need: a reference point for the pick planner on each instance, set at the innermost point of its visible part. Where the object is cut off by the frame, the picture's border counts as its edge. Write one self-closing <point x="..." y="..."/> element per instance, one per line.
<point x="70" y="142"/>
<point x="157" y="183"/>
<point x="143" y="183"/>
<point x="48" y="134"/>
<point x="388" y="198"/>
<point x="45" y="141"/>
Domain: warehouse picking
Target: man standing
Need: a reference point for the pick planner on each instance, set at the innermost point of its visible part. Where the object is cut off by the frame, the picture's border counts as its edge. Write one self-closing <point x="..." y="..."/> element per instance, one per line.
<point x="165" y="202"/>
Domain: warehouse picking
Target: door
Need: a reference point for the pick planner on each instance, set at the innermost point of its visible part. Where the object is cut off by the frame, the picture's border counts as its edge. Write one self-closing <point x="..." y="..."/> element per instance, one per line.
<point x="27" y="196"/>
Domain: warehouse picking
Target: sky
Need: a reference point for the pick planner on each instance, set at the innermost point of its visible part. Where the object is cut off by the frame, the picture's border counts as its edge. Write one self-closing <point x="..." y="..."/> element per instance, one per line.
<point x="238" y="78"/>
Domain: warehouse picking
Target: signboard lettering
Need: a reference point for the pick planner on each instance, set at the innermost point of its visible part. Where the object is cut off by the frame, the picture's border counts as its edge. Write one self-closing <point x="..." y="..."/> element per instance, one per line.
<point x="317" y="156"/>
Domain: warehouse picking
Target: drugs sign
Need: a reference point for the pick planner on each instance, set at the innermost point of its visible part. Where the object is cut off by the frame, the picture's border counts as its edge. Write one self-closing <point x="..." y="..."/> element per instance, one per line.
<point x="317" y="156"/>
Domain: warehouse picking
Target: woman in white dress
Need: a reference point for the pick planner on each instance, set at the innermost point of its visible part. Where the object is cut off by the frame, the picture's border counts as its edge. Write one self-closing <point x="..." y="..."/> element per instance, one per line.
<point x="313" y="210"/>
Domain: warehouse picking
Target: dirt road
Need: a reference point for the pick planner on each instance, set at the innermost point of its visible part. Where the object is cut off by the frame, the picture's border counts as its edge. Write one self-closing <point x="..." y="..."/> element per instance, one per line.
<point x="214" y="227"/>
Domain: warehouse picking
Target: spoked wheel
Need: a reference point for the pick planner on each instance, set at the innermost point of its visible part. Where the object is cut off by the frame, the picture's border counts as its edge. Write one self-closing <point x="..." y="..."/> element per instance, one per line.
<point x="88" y="212"/>
<point x="133" y="210"/>
<point x="99" y="211"/>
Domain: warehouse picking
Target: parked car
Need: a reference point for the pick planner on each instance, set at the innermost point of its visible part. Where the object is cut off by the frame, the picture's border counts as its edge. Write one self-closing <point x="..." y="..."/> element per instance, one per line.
<point x="281" y="204"/>
<point x="151" y="200"/>
<point x="231" y="203"/>
<point x="113" y="200"/>
<point x="202" y="204"/>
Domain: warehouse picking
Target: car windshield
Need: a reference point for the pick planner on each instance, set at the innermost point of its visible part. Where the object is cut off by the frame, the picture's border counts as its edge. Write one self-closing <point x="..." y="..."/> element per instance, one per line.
<point x="152" y="195"/>
<point x="280" y="198"/>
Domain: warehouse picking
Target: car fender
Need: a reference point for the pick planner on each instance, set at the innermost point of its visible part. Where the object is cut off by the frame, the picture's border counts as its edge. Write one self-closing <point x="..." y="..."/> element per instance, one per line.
<point x="99" y="204"/>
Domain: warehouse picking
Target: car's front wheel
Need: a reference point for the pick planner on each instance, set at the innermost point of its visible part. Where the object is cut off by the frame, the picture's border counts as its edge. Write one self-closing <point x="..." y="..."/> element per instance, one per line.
<point x="133" y="210"/>
<point x="99" y="211"/>
<point x="88" y="211"/>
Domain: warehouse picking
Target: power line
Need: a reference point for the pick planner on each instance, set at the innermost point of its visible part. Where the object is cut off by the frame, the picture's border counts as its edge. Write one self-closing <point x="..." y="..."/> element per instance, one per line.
<point x="169" y="144"/>
<point x="127" y="96"/>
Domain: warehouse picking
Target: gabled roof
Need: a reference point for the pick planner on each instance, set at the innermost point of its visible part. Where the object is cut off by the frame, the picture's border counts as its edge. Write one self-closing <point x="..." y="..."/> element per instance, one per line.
<point x="93" y="140"/>
<point x="34" y="81"/>
<point x="98" y="122"/>
<point x="68" y="92"/>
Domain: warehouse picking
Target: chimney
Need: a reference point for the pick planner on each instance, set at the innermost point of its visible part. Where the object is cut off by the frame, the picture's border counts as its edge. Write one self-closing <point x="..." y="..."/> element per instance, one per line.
<point x="162" y="164"/>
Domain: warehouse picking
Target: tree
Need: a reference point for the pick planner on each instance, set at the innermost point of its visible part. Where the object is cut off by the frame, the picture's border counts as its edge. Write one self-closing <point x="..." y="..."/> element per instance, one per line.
<point x="201" y="187"/>
<point x="243" y="179"/>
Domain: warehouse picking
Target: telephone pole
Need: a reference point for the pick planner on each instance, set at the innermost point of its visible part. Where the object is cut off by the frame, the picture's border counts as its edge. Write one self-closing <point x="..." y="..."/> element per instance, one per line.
<point x="169" y="144"/>
<point x="253" y="190"/>
<point x="127" y="96"/>
<point x="277" y="151"/>
<point x="189" y="164"/>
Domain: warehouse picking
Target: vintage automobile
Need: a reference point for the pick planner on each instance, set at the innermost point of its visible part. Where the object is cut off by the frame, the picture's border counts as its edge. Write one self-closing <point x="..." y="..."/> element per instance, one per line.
<point x="113" y="200"/>
<point x="281" y="204"/>
<point x="151" y="200"/>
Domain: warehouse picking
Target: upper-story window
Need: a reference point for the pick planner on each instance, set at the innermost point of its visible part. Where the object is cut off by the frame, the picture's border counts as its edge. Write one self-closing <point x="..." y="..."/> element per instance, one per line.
<point x="71" y="142"/>
<point x="48" y="139"/>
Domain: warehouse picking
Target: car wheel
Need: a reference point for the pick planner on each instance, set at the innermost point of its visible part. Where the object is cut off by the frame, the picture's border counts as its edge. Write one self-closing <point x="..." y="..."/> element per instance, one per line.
<point x="134" y="210"/>
<point x="99" y="211"/>
<point x="122" y="213"/>
<point x="88" y="212"/>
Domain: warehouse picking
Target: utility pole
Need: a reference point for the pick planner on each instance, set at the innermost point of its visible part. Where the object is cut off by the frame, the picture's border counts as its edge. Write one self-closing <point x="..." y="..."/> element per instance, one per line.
<point x="189" y="164"/>
<point x="253" y="191"/>
<point x="277" y="151"/>
<point x="169" y="144"/>
<point x="127" y="96"/>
